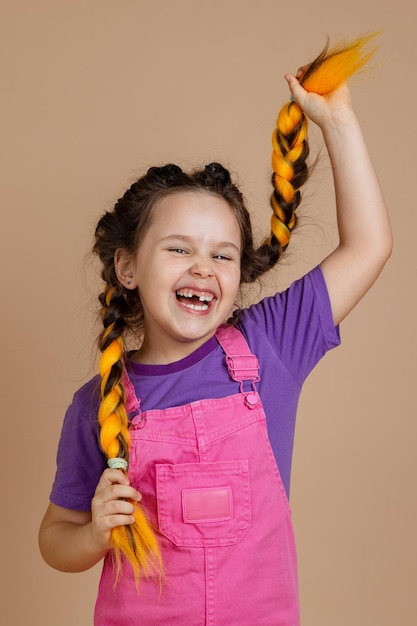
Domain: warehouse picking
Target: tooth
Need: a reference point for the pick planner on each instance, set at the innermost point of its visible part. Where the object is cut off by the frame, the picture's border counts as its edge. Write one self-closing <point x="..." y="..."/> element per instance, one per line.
<point x="196" y="307"/>
<point x="189" y="293"/>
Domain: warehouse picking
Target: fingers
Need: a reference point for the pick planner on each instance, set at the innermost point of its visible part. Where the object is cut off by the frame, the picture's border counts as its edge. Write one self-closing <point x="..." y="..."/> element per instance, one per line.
<point x="297" y="92"/>
<point x="112" y="477"/>
<point x="113" y="505"/>
<point x="114" y="485"/>
<point x="301" y="71"/>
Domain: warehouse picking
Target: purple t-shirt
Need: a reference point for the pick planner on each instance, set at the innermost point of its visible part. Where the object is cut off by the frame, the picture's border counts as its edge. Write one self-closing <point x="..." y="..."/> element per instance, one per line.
<point x="289" y="333"/>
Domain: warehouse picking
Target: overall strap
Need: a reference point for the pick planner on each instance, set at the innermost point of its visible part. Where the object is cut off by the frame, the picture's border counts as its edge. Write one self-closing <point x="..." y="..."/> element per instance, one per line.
<point x="132" y="401"/>
<point x="241" y="363"/>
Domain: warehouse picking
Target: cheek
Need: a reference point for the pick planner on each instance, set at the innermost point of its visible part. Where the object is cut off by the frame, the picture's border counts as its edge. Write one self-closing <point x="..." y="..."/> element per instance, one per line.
<point x="233" y="283"/>
<point x="147" y="273"/>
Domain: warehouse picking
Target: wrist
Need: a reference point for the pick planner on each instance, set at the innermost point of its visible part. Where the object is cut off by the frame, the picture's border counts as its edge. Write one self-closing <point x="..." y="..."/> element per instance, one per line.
<point x="97" y="545"/>
<point x="339" y="121"/>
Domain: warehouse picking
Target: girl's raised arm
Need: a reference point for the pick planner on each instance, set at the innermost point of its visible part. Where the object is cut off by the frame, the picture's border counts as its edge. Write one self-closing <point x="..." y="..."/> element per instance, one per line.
<point x="364" y="228"/>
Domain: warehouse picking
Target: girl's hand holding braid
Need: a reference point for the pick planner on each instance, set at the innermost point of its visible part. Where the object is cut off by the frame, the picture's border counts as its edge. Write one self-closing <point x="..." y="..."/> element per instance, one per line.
<point x="332" y="108"/>
<point x="110" y="506"/>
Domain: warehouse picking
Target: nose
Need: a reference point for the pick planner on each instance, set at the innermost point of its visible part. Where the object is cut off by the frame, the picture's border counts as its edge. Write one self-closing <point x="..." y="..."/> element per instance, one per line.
<point x="202" y="268"/>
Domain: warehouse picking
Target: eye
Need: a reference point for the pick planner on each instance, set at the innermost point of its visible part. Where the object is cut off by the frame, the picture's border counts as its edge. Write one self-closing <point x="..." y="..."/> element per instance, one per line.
<point x="222" y="257"/>
<point x="177" y="250"/>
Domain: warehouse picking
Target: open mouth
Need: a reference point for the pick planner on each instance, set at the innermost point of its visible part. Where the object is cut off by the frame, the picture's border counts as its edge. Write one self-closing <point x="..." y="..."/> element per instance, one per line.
<point x="196" y="301"/>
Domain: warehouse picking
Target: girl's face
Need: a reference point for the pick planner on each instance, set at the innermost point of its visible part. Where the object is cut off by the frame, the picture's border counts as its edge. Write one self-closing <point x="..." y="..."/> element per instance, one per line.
<point x="187" y="270"/>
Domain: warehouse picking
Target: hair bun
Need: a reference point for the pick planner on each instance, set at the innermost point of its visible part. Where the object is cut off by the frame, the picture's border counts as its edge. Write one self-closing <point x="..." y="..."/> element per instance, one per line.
<point x="168" y="175"/>
<point x="215" y="175"/>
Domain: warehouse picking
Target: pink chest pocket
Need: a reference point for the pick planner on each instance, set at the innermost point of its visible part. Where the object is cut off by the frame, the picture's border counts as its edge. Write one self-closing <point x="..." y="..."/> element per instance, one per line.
<point x="204" y="504"/>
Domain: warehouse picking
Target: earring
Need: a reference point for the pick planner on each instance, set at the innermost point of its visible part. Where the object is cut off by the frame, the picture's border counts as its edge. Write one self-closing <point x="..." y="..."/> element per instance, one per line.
<point x="129" y="282"/>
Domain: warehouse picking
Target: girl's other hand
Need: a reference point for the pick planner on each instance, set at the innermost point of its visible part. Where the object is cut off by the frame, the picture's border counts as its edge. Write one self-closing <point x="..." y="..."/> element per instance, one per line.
<point x="328" y="109"/>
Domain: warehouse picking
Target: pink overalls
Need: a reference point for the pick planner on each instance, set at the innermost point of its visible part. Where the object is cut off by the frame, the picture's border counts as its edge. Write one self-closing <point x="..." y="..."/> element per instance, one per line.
<point x="212" y="488"/>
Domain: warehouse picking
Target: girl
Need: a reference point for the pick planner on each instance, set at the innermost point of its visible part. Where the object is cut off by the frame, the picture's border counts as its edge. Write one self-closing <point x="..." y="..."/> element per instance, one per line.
<point x="196" y="425"/>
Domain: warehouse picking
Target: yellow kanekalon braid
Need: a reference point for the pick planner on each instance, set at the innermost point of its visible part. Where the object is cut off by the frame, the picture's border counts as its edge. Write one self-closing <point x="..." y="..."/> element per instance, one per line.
<point x="136" y="542"/>
<point x="290" y="151"/>
<point x="289" y="141"/>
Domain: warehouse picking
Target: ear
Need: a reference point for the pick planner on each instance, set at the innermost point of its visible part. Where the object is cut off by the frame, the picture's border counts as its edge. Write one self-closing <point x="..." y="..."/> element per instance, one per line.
<point x="124" y="266"/>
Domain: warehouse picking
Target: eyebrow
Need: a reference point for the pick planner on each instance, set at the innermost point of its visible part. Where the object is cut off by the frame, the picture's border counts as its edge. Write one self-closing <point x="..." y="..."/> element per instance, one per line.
<point x="185" y="238"/>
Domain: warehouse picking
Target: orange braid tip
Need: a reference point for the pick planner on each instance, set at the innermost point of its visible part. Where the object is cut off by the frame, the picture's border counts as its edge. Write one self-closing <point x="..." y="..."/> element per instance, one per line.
<point x="336" y="65"/>
<point x="137" y="545"/>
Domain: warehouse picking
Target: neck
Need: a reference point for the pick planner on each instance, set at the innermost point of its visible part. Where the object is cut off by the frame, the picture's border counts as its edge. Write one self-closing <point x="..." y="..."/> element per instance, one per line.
<point x="164" y="355"/>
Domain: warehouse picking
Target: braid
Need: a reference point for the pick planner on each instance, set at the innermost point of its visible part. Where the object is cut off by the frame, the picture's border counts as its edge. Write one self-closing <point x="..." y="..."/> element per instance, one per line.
<point x="289" y="140"/>
<point x="290" y="151"/>
<point x="137" y="542"/>
<point x="112" y="417"/>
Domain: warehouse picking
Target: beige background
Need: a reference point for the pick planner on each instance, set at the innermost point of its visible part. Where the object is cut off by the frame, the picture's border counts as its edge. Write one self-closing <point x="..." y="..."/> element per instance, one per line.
<point x="93" y="92"/>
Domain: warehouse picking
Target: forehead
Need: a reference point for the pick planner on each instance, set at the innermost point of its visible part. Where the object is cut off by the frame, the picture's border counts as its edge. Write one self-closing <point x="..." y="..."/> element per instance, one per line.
<point x="195" y="210"/>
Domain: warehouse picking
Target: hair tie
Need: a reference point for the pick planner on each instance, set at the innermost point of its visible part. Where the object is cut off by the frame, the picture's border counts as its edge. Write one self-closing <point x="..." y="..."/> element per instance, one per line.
<point x="117" y="463"/>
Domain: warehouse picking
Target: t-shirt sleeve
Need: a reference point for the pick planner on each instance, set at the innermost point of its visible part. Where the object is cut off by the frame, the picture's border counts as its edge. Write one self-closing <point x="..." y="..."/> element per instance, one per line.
<point x="298" y="323"/>
<point x="80" y="461"/>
